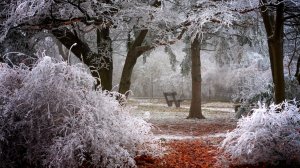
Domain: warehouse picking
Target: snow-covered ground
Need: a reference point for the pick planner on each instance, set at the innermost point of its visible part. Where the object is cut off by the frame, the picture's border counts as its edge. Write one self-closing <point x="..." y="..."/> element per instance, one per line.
<point x="170" y="123"/>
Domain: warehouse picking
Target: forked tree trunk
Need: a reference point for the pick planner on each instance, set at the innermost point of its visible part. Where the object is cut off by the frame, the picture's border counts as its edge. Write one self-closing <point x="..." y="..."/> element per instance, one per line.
<point x="131" y="58"/>
<point x="135" y="51"/>
<point x="274" y="28"/>
<point x="195" y="108"/>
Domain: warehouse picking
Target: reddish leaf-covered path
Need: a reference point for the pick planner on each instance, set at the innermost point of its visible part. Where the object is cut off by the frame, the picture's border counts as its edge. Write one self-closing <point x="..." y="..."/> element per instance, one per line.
<point x="183" y="154"/>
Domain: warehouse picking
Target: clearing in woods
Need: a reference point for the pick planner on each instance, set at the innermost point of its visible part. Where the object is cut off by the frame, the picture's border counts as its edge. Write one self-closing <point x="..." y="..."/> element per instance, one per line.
<point x="189" y="142"/>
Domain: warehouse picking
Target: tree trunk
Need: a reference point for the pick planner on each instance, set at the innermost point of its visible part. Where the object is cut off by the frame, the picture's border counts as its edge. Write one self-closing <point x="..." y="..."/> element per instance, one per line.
<point x="274" y="29"/>
<point x="278" y="77"/>
<point x="125" y="82"/>
<point x="1" y="59"/>
<point x="83" y="52"/>
<point x="195" y="108"/>
<point x="131" y="58"/>
<point x="297" y="74"/>
<point x="104" y="44"/>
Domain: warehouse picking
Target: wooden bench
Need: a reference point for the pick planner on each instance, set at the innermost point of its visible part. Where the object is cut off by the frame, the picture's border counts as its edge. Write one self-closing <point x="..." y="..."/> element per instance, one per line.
<point x="172" y="97"/>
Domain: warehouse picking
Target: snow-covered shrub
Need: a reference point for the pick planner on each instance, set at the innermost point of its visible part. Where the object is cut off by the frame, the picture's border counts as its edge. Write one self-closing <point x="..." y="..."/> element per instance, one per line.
<point x="11" y="79"/>
<point x="270" y="135"/>
<point x="52" y="117"/>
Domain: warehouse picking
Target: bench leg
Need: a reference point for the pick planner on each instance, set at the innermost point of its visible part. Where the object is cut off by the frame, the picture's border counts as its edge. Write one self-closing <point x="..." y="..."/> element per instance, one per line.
<point x="177" y="104"/>
<point x="169" y="104"/>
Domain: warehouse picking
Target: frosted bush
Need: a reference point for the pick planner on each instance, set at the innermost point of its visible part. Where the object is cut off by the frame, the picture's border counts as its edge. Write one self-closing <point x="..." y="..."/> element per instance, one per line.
<point x="270" y="135"/>
<point x="52" y="117"/>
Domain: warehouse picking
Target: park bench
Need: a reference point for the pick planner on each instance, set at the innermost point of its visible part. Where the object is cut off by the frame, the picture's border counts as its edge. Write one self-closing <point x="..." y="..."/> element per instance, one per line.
<point x="172" y="97"/>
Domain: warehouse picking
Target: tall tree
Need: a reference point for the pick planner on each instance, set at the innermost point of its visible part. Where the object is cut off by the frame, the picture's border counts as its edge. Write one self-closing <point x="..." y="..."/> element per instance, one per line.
<point x="87" y="14"/>
<point x="274" y="22"/>
<point x="160" y="20"/>
<point x="99" y="14"/>
<point x="195" y="108"/>
<point x="275" y="15"/>
<point x="204" y="17"/>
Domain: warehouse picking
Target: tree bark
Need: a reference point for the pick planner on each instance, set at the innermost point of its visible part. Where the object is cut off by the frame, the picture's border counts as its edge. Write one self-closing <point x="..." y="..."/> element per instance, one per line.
<point x="132" y="55"/>
<point x="104" y="45"/>
<point x="274" y="29"/>
<point x="195" y="108"/>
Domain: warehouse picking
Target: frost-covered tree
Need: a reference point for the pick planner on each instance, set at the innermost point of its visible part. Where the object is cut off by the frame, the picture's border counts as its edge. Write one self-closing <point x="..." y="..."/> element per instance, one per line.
<point x="202" y="17"/>
<point x="67" y="20"/>
<point x="275" y="15"/>
<point x="59" y="18"/>
<point x="155" y="25"/>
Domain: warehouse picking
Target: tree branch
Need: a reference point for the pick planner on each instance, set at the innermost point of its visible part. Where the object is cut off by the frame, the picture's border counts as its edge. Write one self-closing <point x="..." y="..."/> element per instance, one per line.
<point x="142" y="49"/>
